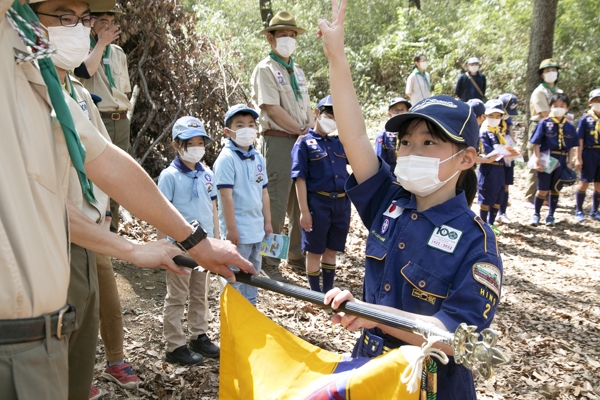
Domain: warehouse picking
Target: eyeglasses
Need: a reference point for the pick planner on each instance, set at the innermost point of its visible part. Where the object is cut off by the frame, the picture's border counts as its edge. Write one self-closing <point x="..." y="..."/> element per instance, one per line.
<point x="71" y="20"/>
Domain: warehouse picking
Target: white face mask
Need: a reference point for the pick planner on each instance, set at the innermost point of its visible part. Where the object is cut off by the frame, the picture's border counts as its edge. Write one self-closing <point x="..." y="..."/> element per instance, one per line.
<point x="327" y="125"/>
<point x="193" y="154"/>
<point x="596" y="107"/>
<point x="550" y="77"/>
<point x="493" y="122"/>
<point x="423" y="65"/>
<point x="558" y="112"/>
<point x="285" y="46"/>
<point x="72" y="45"/>
<point x="419" y="175"/>
<point x="473" y="68"/>
<point x="245" y="136"/>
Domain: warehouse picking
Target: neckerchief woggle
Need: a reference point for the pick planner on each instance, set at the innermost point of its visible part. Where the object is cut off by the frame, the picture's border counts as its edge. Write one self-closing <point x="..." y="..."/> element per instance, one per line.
<point x="290" y="69"/>
<point x="27" y="24"/>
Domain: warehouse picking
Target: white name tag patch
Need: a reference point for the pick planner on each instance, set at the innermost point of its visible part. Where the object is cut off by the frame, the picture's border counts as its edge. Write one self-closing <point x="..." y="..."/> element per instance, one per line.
<point x="445" y="238"/>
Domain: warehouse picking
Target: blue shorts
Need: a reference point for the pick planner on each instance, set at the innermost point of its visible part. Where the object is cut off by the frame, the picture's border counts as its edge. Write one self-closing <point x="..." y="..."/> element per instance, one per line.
<point x="330" y="224"/>
<point x="590" y="171"/>
<point x="490" y="184"/>
<point x="509" y="174"/>
<point x="550" y="181"/>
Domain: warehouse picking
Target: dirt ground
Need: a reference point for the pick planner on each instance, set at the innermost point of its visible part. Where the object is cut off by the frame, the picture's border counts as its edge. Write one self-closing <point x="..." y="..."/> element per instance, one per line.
<point x="548" y="318"/>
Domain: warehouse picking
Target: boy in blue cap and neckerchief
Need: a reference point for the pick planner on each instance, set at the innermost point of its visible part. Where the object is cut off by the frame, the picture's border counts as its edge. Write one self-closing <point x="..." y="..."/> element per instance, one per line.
<point x="509" y="103"/>
<point x="319" y="170"/>
<point x="478" y="108"/>
<point x="385" y="142"/>
<point x="588" y="156"/>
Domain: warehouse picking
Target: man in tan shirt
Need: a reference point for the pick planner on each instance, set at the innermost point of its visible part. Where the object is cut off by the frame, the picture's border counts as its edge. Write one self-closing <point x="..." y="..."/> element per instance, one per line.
<point x="280" y="90"/>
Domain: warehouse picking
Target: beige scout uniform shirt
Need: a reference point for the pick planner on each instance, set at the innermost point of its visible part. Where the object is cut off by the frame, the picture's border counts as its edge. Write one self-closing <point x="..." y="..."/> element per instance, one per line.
<point x="271" y="85"/>
<point x="34" y="246"/>
<point x="113" y="98"/>
<point x="417" y="87"/>
<point x="540" y="102"/>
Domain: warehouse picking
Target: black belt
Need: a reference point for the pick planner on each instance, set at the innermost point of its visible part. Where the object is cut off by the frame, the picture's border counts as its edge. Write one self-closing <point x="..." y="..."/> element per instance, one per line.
<point x="332" y="195"/>
<point x="31" y="329"/>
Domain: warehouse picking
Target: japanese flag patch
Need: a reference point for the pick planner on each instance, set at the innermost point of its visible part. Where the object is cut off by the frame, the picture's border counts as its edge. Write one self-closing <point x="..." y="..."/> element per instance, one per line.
<point x="393" y="211"/>
<point x="445" y="238"/>
<point x="550" y="125"/>
<point x="488" y="275"/>
<point x="311" y="142"/>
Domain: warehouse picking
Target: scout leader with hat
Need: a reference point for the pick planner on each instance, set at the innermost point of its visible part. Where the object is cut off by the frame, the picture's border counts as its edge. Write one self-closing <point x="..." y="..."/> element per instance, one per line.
<point x="385" y="142"/>
<point x="539" y="106"/>
<point x="588" y="156"/>
<point x="319" y="170"/>
<point x="279" y="89"/>
<point x="428" y="256"/>
<point x="472" y="84"/>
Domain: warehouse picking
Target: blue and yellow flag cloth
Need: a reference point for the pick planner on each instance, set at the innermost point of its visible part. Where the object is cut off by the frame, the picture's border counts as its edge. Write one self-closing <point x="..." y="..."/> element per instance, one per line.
<point x="261" y="360"/>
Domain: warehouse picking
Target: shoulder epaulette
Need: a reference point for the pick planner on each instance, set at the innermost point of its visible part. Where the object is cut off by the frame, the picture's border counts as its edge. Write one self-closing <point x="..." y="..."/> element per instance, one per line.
<point x="490" y="243"/>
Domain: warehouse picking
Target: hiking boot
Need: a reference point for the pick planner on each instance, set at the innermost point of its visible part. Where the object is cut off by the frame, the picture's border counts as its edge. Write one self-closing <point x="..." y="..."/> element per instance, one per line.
<point x="122" y="375"/>
<point x="95" y="393"/>
<point x="203" y="345"/>
<point x="272" y="272"/>
<point x="550" y="220"/>
<point x="535" y="220"/>
<point x="298" y="265"/>
<point x="579" y="216"/>
<point x="184" y="356"/>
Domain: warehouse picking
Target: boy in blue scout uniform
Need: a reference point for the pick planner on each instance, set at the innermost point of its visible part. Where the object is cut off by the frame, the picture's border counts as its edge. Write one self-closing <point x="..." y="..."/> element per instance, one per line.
<point x="557" y="135"/>
<point x="478" y="108"/>
<point x="385" y="142"/>
<point x="588" y="156"/>
<point x="241" y="178"/>
<point x="428" y="255"/>
<point x="509" y="103"/>
<point x="319" y="170"/>
<point x="190" y="188"/>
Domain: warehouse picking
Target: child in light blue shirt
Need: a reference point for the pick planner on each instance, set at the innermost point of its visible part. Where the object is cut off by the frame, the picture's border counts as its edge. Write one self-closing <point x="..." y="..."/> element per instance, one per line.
<point x="241" y="179"/>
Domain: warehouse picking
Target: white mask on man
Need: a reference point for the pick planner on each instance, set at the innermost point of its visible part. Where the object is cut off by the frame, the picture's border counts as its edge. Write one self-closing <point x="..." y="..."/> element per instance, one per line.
<point x="473" y="68"/>
<point x="72" y="45"/>
<point x="285" y="46"/>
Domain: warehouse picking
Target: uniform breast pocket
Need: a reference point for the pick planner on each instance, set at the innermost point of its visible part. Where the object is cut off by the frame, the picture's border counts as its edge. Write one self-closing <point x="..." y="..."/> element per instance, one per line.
<point x="423" y="292"/>
<point x="316" y="155"/>
<point x="340" y="155"/>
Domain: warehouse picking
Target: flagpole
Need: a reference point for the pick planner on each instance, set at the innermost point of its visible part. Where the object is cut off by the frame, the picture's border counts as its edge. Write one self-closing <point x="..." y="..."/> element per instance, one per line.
<point x="481" y="356"/>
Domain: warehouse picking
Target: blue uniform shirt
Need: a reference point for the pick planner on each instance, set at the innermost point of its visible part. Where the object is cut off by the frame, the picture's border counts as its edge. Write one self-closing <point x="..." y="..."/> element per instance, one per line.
<point x="385" y="147"/>
<point x="587" y="129"/>
<point x="441" y="262"/>
<point x="191" y="192"/>
<point x="548" y="137"/>
<point x="321" y="160"/>
<point x="245" y="173"/>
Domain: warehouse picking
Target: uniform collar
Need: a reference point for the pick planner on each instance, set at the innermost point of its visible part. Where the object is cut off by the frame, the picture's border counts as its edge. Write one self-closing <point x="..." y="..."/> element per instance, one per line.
<point x="243" y="155"/>
<point x="440" y="214"/>
<point x="181" y="167"/>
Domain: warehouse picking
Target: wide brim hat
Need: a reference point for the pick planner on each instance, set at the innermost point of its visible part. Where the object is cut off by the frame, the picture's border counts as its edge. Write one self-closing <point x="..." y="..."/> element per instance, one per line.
<point x="283" y="21"/>
<point x="548" y="63"/>
<point x="453" y="117"/>
<point x="95" y="5"/>
<point x="238" y="108"/>
<point x="396" y="100"/>
<point x="189" y="127"/>
<point x="593" y="94"/>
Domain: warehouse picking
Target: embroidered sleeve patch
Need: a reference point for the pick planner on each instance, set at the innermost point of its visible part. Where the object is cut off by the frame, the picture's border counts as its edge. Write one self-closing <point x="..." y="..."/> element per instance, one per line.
<point x="488" y="275"/>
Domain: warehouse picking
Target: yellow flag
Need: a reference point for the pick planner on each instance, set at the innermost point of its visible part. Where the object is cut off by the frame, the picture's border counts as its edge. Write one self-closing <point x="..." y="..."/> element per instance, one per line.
<point x="261" y="360"/>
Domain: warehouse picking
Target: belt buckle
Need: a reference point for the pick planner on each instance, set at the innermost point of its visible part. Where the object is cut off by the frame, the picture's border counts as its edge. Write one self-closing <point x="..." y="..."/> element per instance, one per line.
<point x="59" y="324"/>
<point x="115" y="116"/>
<point x="333" y="195"/>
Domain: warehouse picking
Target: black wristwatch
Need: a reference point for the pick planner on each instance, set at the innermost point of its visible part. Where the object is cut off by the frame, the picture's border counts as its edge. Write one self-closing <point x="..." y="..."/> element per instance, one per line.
<point x="196" y="237"/>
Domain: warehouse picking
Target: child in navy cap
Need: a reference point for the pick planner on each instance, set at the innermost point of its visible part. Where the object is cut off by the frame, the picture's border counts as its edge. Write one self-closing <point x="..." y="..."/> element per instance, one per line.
<point x="319" y="170"/>
<point x="478" y="109"/>
<point x="588" y="156"/>
<point x="385" y="142"/>
<point x="509" y="103"/>
<point x="426" y="253"/>
<point x="556" y="135"/>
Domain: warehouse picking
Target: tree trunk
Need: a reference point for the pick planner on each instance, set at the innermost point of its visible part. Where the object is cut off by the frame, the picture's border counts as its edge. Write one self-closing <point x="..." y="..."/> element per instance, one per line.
<point x="415" y="3"/>
<point x="540" y="42"/>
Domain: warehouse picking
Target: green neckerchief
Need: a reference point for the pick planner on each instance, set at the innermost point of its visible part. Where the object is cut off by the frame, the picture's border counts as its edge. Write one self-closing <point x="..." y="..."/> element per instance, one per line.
<point x="552" y="89"/>
<point x="105" y="61"/>
<point x="424" y="75"/>
<point x="25" y="20"/>
<point x="290" y="69"/>
<point x="71" y="89"/>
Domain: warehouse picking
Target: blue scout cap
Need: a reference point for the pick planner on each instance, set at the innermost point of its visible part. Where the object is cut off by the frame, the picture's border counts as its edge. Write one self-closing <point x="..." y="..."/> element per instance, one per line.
<point x="188" y="127"/>
<point x="397" y="100"/>
<point x="494" y="106"/>
<point x="477" y="106"/>
<point x="326" y="101"/>
<point x="453" y="117"/>
<point x="238" y="108"/>
<point x="593" y="94"/>
<point x="510" y="102"/>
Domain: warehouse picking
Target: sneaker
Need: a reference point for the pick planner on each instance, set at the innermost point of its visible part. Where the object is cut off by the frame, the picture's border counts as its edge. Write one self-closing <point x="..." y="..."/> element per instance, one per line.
<point x="122" y="375"/>
<point x="272" y="272"/>
<point x="550" y="220"/>
<point x="503" y="219"/>
<point x="535" y="220"/>
<point x="579" y="216"/>
<point x="298" y="265"/>
<point x="595" y="215"/>
<point x="529" y="205"/>
<point x="496" y="230"/>
<point x="184" y="356"/>
<point x="203" y="345"/>
<point x="95" y="393"/>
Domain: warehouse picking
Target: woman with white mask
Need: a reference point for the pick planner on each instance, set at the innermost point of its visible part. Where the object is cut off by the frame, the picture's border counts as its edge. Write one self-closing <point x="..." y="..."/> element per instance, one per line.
<point x="418" y="84"/>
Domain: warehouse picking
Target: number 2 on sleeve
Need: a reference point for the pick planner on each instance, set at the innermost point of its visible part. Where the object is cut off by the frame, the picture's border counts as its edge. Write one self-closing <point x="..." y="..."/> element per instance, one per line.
<point x="487" y="310"/>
